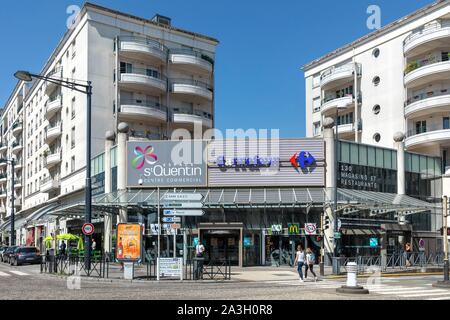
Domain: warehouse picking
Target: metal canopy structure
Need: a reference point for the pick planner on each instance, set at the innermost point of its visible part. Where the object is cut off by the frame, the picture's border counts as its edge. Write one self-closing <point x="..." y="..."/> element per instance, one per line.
<point x="246" y="198"/>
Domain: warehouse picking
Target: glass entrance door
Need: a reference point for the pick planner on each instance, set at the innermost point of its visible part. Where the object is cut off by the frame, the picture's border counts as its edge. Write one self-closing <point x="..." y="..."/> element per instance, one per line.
<point x="221" y="245"/>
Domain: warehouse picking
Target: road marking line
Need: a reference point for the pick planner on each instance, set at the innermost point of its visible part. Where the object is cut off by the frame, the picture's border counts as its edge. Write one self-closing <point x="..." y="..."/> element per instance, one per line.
<point x="19" y="273"/>
<point x="437" y="292"/>
<point x="394" y="289"/>
<point x="399" y="292"/>
<point x="439" y="298"/>
<point x="3" y="274"/>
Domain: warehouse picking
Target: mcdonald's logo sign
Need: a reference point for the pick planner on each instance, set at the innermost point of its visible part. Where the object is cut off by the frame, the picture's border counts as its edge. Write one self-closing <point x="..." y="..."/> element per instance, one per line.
<point x="293" y="228"/>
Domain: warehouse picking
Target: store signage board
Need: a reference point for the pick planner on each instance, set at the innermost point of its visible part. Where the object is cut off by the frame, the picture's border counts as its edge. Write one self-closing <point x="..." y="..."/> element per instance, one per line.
<point x="182" y="197"/>
<point x="293" y="228"/>
<point x="184" y="213"/>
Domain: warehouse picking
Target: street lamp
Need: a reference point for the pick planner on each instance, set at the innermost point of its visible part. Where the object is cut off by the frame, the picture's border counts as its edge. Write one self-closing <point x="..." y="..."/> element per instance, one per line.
<point x="85" y="88"/>
<point x="12" y="239"/>
<point x="445" y="215"/>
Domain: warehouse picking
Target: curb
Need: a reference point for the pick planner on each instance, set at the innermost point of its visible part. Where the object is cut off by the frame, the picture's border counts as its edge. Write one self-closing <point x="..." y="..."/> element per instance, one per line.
<point x="387" y="275"/>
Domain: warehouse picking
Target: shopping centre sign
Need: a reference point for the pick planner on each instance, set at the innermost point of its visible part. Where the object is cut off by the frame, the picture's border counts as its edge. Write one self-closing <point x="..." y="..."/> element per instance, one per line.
<point x="166" y="163"/>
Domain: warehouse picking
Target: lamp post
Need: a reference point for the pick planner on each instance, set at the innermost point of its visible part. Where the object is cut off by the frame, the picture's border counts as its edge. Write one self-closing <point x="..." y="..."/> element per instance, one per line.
<point x="446" y="282"/>
<point x="335" y="217"/>
<point x="85" y="88"/>
<point x="12" y="239"/>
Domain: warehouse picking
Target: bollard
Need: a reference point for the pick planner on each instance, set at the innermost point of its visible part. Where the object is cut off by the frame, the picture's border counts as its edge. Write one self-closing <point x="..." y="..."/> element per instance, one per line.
<point x="352" y="281"/>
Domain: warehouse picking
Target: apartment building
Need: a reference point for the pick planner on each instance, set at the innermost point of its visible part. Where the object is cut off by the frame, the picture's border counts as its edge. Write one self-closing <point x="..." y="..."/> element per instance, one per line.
<point x="394" y="79"/>
<point x="145" y="72"/>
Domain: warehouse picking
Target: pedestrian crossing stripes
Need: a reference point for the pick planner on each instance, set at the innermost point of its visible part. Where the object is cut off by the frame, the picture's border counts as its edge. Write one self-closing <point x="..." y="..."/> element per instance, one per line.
<point x="13" y="272"/>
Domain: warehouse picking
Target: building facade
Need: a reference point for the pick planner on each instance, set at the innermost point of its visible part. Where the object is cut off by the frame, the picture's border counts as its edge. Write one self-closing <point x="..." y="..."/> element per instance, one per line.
<point x="394" y="79"/>
<point x="149" y="73"/>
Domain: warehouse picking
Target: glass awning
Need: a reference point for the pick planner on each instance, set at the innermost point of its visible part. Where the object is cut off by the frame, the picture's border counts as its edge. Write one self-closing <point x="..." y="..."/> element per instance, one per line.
<point x="111" y="203"/>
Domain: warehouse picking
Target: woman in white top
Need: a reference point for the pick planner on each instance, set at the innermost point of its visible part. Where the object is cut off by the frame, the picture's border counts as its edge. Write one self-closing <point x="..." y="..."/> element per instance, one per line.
<point x="299" y="261"/>
<point x="310" y="261"/>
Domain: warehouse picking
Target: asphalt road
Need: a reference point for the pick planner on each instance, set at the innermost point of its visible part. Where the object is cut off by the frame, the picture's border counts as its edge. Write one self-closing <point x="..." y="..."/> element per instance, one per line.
<point x="25" y="282"/>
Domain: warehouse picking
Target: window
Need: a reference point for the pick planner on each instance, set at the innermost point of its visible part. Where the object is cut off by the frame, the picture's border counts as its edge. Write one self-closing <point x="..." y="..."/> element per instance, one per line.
<point x="73" y="73"/>
<point x="377" y="137"/>
<point x="316" y="80"/>
<point x="376" y="109"/>
<point x="73" y="49"/>
<point x="446" y="123"/>
<point x="152" y="73"/>
<point x="72" y="164"/>
<point x="126" y="67"/>
<point x="421" y="127"/>
<point x="316" y="129"/>
<point x="316" y="104"/>
<point x="376" y="81"/>
<point x="376" y="53"/>
<point x="72" y="138"/>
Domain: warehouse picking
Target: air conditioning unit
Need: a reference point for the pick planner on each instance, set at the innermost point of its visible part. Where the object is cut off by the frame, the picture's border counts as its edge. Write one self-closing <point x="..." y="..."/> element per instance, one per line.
<point x="162" y="20"/>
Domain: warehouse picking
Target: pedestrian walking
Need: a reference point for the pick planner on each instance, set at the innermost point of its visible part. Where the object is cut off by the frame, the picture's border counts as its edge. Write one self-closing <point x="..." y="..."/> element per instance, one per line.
<point x="62" y="249"/>
<point x="299" y="261"/>
<point x="310" y="261"/>
<point x="199" y="258"/>
<point x="408" y="254"/>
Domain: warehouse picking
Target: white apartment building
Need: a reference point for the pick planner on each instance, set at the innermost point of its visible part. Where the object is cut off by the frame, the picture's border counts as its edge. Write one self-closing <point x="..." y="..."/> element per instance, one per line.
<point x="148" y="73"/>
<point x="396" y="79"/>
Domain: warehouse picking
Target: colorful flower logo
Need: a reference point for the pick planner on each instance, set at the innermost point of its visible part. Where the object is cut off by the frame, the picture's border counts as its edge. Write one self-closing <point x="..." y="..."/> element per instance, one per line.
<point x="143" y="156"/>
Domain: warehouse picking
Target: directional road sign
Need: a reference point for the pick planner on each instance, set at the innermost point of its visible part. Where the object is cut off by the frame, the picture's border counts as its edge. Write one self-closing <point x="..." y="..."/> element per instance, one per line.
<point x="171" y="219"/>
<point x="182" y="197"/>
<point x="183" y="205"/>
<point x="184" y="213"/>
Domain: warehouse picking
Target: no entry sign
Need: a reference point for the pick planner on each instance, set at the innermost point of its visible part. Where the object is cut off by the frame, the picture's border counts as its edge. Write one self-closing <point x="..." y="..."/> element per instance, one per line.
<point x="87" y="229"/>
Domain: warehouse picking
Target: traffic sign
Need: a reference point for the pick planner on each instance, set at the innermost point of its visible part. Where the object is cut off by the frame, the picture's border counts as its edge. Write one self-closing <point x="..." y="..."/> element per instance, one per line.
<point x="337" y="235"/>
<point x="310" y="228"/>
<point x="175" y="226"/>
<point x="171" y="219"/>
<point x="87" y="229"/>
<point x="184" y="213"/>
<point x="183" y="205"/>
<point x="183" y="197"/>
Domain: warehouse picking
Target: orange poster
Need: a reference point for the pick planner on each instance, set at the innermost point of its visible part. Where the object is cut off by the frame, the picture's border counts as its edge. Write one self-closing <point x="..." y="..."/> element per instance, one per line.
<point x="129" y="239"/>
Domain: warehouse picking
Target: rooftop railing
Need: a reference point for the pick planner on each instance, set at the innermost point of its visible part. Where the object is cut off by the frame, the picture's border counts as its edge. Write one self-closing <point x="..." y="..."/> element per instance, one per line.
<point x="149" y="42"/>
<point x="427" y="30"/>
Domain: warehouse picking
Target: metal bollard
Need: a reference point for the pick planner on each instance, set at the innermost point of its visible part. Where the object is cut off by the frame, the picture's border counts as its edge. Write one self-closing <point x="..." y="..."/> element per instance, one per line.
<point x="352" y="281"/>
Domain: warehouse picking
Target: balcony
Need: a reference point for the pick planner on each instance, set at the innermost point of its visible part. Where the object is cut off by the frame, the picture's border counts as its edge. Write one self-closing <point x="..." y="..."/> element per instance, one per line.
<point x="143" y="135"/>
<point x="435" y="35"/>
<point x="432" y="135"/>
<point x="138" y="110"/>
<point x="18" y="165"/>
<point x="52" y="159"/>
<point x="53" y="132"/>
<point x="423" y="71"/>
<point x="143" y="80"/>
<point x="17" y="128"/>
<point x="53" y="107"/>
<point x="191" y="61"/>
<point x="335" y="77"/>
<point x="50" y="184"/>
<point x="192" y="90"/>
<point x="55" y="74"/>
<point x="184" y="116"/>
<point x="3" y="164"/>
<point x="3" y="178"/>
<point x="426" y="103"/>
<point x="17" y="147"/>
<point x="139" y="48"/>
<point x="17" y="202"/>
<point x="329" y="105"/>
<point x="18" y="183"/>
<point x="3" y="147"/>
<point x="3" y="195"/>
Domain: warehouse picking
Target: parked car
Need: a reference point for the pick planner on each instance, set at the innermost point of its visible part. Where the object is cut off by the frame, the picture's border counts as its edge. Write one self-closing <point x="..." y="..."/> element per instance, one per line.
<point x="23" y="255"/>
<point x="2" y="250"/>
<point x="7" y="253"/>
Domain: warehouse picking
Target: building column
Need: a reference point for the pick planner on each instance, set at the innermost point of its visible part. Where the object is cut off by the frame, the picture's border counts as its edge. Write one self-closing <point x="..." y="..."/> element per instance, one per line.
<point x="399" y="139"/>
<point x="330" y="185"/>
<point x="109" y="142"/>
<point x="122" y="166"/>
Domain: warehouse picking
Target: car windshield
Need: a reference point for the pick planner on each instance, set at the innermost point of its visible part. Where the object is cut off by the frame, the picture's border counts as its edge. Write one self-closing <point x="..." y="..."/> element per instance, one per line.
<point x="28" y="250"/>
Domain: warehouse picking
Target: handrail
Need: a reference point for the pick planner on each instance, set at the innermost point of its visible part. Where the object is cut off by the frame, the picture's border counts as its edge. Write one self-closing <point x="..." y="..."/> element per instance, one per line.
<point x="195" y="112"/>
<point x="426" y="30"/>
<point x="144" y="103"/>
<point x="335" y="70"/>
<point x="427" y="95"/>
<point x="328" y="99"/>
<point x="192" y="82"/>
<point x="49" y="178"/>
<point x="425" y="61"/>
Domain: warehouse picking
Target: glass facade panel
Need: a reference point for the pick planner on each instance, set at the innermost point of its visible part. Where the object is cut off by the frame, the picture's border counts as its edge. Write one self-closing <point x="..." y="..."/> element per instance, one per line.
<point x="387" y="159"/>
<point x="379" y="158"/>
<point x="345" y="152"/>
<point x="354" y="154"/>
<point x="415" y="166"/>
<point x="363" y="155"/>
<point x="371" y="156"/>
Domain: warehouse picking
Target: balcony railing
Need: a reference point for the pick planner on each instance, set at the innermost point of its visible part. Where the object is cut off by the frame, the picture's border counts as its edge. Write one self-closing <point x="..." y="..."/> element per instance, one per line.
<point x="146" y="72"/>
<point x="193" y="53"/>
<point x="426" y="95"/>
<point x="16" y="124"/>
<point x="198" y="113"/>
<point x="144" y="135"/>
<point x="427" y="30"/>
<point x="148" y="42"/>
<point x="17" y="143"/>
<point x="328" y="99"/>
<point x="416" y="64"/>
<point x="192" y="82"/>
<point x="426" y="129"/>
<point x="143" y="103"/>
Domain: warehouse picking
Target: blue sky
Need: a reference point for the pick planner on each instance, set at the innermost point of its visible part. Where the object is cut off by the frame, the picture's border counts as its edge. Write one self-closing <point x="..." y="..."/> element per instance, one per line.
<point x="259" y="83"/>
